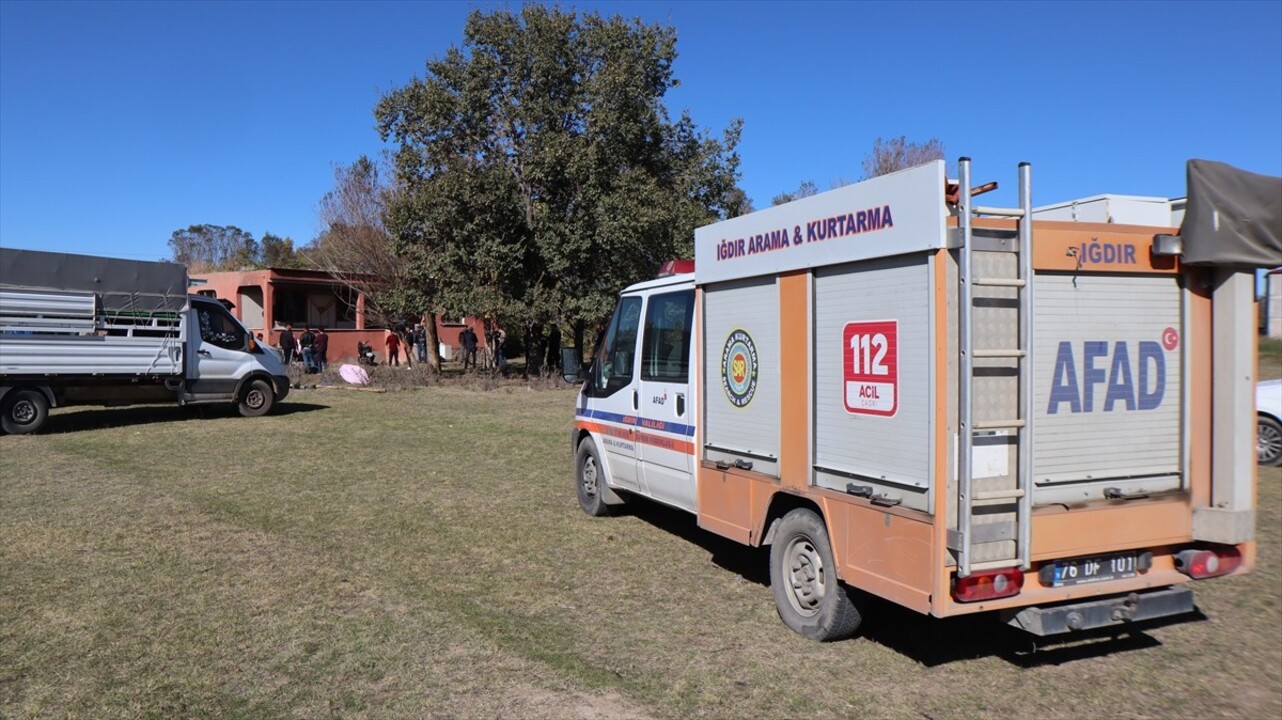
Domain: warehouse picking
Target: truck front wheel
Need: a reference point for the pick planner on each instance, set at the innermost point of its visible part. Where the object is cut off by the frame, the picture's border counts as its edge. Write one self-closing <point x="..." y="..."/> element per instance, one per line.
<point x="803" y="575"/>
<point x="25" y="411"/>
<point x="256" y="399"/>
<point x="589" y="479"/>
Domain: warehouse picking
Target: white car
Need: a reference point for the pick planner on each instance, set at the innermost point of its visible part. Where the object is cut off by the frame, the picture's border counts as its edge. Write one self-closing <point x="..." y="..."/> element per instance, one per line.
<point x="1268" y="439"/>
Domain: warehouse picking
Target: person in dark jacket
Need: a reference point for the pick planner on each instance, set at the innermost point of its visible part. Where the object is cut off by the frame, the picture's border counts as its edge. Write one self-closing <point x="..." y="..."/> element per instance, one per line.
<point x="320" y="348"/>
<point x="287" y="343"/>
<point x="468" y="340"/>
<point x="420" y="342"/>
<point x="307" y="342"/>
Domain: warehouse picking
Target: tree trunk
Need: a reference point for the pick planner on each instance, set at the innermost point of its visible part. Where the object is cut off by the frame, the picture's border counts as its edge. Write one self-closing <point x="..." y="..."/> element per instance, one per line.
<point x="433" y="342"/>
<point x="533" y="350"/>
<point x="578" y="339"/>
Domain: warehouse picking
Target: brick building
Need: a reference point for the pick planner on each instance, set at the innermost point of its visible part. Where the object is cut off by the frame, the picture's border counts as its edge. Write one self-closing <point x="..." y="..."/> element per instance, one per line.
<point x="266" y="300"/>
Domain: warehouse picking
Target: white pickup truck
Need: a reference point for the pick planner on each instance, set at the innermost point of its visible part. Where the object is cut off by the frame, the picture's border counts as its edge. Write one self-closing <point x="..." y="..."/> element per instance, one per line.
<point x="83" y="330"/>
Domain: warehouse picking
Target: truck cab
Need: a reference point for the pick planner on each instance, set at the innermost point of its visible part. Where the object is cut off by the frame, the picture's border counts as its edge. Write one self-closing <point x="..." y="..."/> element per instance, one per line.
<point x="223" y="360"/>
<point x="636" y="410"/>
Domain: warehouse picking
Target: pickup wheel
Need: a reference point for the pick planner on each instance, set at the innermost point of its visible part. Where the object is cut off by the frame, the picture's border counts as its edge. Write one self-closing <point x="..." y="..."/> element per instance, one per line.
<point x="256" y="399"/>
<point x="588" y="479"/>
<point x="803" y="575"/>
<point x="1268" y="441"/>
<point x="24" y="412"/>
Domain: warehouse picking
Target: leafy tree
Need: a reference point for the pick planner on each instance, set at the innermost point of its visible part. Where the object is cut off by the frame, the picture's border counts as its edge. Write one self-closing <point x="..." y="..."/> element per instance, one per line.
<point x="279" y="252"/>
<point x="208" y="248"/>
<point x="356" y="249"/>
<point x="897" y="154"/>
<point x="540" y="171"/>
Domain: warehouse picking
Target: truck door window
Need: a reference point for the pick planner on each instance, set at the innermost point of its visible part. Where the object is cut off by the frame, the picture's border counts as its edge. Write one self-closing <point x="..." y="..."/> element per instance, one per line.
<point x="665" y="349"/>
<point x="613" y="366"/>
<point x="219" y="328"/>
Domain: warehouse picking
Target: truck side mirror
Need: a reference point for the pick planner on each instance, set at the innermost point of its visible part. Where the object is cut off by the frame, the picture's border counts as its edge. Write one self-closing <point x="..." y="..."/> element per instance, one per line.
<point x="571" y="370"/>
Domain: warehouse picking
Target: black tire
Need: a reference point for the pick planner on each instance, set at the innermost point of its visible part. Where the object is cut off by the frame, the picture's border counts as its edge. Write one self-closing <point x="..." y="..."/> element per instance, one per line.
<point x="24" y="412"/>
<point x="1268" y="441"/>
<point x="589" y="477"/>
<point x="256" y="399"/>
<point x="803" y="575"/>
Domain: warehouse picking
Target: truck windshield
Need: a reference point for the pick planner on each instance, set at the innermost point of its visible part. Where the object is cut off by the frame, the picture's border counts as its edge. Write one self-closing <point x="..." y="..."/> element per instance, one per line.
<point x="612" y="369"/>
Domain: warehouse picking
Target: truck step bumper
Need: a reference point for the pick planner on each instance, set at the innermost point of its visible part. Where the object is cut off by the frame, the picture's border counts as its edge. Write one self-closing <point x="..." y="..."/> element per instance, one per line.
<point x="1104" y="612"/>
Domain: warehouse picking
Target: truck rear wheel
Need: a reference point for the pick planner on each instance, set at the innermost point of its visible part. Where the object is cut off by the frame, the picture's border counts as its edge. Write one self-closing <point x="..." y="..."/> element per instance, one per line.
<point x="588" y="479"/>
<point x="25" y="411"/>
<point x="257" y="399"/>
<point x="803" y="575"/>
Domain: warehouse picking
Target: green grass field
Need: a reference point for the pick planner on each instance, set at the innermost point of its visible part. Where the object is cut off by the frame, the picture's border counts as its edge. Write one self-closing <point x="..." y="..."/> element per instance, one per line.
<point x="421" y="554"/>
<point x="1270" y="358"/>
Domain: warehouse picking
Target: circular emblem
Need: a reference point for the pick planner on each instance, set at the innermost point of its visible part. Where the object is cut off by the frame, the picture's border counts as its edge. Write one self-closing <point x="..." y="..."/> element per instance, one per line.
<point x="739" y="368"/>
<point x="1170" y="338"/>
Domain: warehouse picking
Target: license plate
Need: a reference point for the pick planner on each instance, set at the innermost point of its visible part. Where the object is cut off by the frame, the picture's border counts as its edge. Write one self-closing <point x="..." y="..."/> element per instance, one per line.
<point x="1083" y="571"/>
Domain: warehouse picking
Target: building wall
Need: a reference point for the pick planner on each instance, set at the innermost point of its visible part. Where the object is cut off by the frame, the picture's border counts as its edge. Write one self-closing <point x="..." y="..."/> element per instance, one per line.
<point x="257" y="313"/>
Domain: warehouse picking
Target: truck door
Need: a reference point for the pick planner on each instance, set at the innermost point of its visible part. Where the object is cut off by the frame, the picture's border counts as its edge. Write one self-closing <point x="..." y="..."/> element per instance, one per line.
<point x="216" y="346"/>
<point x="614" y="393"/>
<point x="665" y="425"/>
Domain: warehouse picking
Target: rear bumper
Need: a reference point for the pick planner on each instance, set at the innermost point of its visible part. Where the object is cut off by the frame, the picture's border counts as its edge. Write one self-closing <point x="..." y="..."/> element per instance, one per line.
<point x="1104" y="612"/>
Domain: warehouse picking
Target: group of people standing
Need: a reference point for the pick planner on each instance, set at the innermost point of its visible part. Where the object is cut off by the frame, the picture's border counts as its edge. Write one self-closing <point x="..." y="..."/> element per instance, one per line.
<point x="312" y="347"/>
<point x="417" y="337"/>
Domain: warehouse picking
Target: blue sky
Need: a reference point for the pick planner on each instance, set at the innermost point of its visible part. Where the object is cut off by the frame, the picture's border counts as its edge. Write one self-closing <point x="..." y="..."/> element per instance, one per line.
<point x="122" y="122"/>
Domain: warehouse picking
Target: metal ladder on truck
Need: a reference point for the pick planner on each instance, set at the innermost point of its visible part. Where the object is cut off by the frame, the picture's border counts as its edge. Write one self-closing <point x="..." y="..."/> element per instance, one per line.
<point x="1002" y="502"/>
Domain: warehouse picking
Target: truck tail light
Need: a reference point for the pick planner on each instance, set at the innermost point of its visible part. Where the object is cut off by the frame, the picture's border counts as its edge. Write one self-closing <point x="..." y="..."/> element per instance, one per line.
<point x="988" y="585"/>
<point x="1206" y="563"/>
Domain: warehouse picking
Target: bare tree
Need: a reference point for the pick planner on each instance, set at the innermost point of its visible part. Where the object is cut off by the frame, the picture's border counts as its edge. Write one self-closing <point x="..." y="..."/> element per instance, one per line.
<point x="357" y="250"/>
<point x="804" y="190"/>
<point x="897" y="154"/>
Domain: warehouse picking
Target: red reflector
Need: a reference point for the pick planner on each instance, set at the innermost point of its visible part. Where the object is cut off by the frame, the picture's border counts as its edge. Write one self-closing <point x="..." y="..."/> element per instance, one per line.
<point x="676" y="267"/>
<point x="988" y="585"/>
<point x="1200" y="564"/>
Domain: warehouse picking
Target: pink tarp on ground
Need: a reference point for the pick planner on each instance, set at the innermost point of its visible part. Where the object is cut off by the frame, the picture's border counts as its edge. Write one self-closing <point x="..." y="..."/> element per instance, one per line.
<point x="354" y="374"/>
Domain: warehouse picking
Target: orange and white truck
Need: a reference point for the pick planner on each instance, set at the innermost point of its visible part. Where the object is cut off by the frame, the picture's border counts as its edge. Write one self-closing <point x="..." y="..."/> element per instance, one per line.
<point x="958" y="408"/>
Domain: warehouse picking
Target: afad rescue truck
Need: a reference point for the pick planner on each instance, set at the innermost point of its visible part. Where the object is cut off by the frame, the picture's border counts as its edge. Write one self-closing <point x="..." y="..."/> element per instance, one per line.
<point x="958" y="408"/>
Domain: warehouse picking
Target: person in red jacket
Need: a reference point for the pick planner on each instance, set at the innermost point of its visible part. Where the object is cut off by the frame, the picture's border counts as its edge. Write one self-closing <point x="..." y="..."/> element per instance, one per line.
<point x="393" y="349"/>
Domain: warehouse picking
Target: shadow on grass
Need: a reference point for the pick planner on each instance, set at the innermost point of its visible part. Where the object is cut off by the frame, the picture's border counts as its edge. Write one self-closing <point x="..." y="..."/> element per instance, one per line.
<point x="752" y="564"/>
<point x="928" y="640"/>
<point x="935" y="641"/>
<point x="98" y="419"/>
